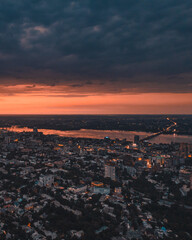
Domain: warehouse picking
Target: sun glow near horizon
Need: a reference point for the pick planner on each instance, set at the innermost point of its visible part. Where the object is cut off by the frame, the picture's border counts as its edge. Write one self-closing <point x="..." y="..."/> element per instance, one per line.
<point x="38" y="99"/>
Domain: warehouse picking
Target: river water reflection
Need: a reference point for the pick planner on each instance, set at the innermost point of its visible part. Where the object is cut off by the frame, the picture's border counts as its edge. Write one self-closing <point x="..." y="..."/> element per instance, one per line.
<point x="100" y="134"/>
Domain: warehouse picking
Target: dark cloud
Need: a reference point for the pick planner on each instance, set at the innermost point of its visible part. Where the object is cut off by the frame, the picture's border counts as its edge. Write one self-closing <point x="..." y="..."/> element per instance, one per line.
<point x="66" y="95"/>
<point x="135" y="44"/>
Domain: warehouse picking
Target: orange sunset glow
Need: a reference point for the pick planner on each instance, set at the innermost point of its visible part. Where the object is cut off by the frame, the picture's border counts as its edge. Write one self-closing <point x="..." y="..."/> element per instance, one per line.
<point x="26" y="99"/>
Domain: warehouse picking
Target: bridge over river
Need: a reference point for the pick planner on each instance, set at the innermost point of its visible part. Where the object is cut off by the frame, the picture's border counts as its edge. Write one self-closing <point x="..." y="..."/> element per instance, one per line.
<point x="168" y="129"/>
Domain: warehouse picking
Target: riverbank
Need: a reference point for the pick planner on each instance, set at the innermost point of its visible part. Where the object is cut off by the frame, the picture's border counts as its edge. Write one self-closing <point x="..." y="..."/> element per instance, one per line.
<point x="100" y="134"/>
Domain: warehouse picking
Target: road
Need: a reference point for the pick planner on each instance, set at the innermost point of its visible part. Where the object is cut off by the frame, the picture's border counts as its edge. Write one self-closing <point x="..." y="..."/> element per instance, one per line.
<point x="168" y="129"/>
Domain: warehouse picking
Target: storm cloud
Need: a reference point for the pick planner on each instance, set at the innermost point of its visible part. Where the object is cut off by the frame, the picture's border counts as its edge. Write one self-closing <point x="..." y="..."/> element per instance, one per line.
<point x="117" y="46"/>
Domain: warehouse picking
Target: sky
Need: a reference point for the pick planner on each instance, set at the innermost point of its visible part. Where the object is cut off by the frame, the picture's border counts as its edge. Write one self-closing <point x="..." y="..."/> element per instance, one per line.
<point x="96" y="57"/>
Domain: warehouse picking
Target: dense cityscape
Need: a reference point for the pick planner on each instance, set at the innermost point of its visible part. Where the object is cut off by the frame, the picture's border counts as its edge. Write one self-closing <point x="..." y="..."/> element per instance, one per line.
<point x="54" y="187"/>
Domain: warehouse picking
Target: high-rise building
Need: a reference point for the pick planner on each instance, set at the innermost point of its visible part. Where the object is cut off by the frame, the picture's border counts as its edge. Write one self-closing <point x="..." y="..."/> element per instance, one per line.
<point x="185" y="150"/>
<point x="35" y="130"/>
<point x="191" y="182"/>
<point x="110" y="171"/>
<point x="7" y="139"/>
<point x="136" y="139"/>
<point x="46" y="180"/>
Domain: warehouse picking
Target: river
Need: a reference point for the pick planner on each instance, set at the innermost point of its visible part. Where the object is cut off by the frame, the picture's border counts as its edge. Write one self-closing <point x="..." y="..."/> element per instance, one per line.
<point x="100" y="134"/>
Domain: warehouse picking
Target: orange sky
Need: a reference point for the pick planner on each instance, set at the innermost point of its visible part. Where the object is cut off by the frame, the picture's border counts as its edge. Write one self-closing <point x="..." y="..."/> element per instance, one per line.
<point x="22" y="99"/>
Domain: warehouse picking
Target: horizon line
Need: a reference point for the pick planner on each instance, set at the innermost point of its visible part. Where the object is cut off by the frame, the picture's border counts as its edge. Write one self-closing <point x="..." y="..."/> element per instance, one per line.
<point x="99" y="114"/>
